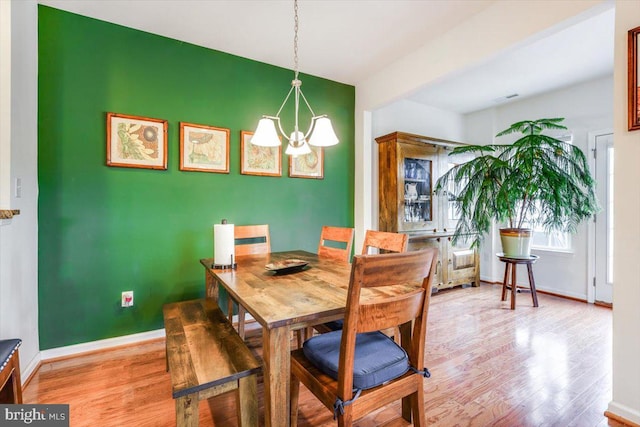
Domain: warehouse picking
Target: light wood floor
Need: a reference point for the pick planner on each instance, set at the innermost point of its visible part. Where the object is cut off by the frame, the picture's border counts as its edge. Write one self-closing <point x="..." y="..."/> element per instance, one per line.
<point x="490" y="366"/>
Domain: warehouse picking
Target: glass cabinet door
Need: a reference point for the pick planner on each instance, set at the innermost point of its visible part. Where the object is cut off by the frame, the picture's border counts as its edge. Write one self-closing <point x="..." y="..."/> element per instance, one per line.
<point x="417" y="190"/>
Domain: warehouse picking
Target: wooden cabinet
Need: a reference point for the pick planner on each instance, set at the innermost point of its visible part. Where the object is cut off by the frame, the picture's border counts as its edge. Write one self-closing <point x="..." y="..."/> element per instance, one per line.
<point x="409" y="165"/>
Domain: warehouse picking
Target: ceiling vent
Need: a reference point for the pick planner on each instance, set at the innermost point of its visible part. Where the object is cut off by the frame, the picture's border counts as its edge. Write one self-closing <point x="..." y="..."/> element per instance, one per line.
<point x="505" y="98"/>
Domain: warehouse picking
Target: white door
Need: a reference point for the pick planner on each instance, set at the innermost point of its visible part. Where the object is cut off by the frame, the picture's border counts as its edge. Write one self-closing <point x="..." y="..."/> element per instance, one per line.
<point x="604" y="220"/>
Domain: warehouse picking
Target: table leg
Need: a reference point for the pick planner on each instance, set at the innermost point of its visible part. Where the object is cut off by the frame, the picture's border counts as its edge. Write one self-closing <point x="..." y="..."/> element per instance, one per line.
<point x="504" y="281"/>
<point x="532" y="285"/>
<point x="277" y="371"/>
<point x="211" y="285"/>
<point x="514" y="287"/>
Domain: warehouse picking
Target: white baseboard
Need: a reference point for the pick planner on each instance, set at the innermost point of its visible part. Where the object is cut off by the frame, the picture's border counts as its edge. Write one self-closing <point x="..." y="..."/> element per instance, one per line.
<point x="624" y="411"/>
<point x="71" y="350"/>
<point x="553" y="291"/>
<point x="29" y="369"/>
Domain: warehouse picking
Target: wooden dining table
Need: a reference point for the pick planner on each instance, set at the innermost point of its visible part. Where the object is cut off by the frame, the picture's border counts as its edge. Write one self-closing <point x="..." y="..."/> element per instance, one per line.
<point x="282" y="303"/>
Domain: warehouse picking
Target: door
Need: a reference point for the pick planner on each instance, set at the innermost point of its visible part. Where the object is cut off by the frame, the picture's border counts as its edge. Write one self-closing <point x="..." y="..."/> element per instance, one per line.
<point x="604" y="220"/>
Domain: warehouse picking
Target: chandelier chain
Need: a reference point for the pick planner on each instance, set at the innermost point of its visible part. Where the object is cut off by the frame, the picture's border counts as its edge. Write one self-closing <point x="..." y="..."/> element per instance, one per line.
<point x="295" y="38"/>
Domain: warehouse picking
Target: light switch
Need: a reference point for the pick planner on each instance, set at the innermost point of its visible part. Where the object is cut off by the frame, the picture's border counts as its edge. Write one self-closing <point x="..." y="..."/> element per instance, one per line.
<point x="18" y="188"/>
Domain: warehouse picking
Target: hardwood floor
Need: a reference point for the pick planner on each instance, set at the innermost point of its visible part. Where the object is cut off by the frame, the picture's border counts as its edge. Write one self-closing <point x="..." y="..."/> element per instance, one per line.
<point x="490" y="366"/>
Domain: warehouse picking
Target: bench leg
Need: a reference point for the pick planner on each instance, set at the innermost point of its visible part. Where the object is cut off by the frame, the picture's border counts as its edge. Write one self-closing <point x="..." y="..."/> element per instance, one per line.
<point x="187" y="414"/>
<point x="248" y="401"/>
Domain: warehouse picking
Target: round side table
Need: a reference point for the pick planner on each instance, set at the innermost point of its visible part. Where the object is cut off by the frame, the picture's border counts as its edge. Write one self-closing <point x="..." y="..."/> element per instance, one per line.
<point x="511" y="264"/>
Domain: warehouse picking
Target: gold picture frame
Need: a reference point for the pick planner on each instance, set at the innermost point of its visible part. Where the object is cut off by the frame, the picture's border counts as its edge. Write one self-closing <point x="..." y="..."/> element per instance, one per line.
<point x="136" y="142"/>
<point x="308" y="165"/>
<point x="634" y="79"/>
<point x="204" y="148"/>
<point x="256" y="160"/>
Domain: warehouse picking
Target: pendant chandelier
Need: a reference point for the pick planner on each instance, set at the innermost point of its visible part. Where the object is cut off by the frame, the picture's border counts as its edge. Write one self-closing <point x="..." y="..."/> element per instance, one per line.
<point x="320" y="132"/>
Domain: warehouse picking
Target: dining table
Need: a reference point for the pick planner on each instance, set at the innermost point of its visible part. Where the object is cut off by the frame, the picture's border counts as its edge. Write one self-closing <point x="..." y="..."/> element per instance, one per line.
<point x="282" y="301"/>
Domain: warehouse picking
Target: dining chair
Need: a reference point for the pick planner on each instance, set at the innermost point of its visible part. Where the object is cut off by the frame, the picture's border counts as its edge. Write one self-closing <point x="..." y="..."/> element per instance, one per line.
<point x="339" y="236"/>
<point x="249" y="239"/>
<point x="359" y="369"/>
<point x="383" y="241"/>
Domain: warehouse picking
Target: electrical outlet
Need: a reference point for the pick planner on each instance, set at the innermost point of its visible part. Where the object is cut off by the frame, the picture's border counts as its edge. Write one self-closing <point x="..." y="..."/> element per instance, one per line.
<point x="127" y="299"/>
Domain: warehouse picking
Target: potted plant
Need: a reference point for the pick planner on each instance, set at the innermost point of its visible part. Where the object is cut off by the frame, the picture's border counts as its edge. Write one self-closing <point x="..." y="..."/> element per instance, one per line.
<point x="536" y="180"/>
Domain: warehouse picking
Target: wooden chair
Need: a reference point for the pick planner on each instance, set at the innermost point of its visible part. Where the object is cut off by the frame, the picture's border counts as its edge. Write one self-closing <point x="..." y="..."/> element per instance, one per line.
<point x="384" y="241"/>
<point x="341" y="235"/>
<point x="348" y="383"/>
<point x="252" y="232"/>
<point x="333" y="234"/>
<point x="248" y="241"/>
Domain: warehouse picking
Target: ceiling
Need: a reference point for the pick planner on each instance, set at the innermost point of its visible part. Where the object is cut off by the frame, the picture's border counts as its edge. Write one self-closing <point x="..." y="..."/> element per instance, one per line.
<point x="348" y="40"/>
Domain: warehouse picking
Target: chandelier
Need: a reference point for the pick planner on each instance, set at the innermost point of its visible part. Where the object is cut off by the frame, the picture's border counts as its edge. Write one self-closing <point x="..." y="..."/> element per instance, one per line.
<point x="320" y="132"/>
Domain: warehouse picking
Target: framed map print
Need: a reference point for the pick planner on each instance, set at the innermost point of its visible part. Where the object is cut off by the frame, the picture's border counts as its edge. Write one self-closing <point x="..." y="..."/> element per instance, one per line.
<point x="136" y="142"/>
<point x="256" y="160"/>
<point x="204" y="148"/>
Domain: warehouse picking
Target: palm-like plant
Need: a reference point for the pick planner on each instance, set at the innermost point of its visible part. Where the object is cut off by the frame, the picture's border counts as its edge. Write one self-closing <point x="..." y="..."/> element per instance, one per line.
<point x="537" y="180"/>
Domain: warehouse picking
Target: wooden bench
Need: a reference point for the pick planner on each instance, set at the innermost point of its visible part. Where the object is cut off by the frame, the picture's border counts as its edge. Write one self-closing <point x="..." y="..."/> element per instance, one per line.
<point x="206" y="357"/>
<point x="10" y="385"/>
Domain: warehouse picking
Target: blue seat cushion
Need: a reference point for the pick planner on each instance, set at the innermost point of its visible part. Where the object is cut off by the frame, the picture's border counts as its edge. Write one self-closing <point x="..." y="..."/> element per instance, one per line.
<point x="7" y="348"/>
<point x="378" y="358"/>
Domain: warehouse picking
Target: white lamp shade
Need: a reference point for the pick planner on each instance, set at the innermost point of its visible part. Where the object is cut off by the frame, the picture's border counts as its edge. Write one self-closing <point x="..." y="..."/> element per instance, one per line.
<point x="297" y="145"/>
<point x="265" y="134"/>
<point x="323" y="134"/>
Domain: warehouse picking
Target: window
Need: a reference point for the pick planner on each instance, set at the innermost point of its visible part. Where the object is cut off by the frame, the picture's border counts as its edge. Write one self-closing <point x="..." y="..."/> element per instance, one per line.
<point x="553" y="241"/>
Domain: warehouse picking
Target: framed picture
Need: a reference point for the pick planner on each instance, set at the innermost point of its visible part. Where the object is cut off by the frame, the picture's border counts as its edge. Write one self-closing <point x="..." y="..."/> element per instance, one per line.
<point x="634" y="79"/>
<point x="308" y="166"/>
<point x="136" y="142"/>
<point x="256" y="160"/>
<point x="204" y="148"/>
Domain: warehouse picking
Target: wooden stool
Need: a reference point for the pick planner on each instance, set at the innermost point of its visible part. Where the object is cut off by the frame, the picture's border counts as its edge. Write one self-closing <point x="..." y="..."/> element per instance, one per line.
<point x="10" y="385"/>
<point x="511" y="264"/>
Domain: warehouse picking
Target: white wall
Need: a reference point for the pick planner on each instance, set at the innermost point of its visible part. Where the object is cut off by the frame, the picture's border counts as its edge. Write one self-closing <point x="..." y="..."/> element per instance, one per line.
<point x="478" y="39"/>
<point x="586" y="107"/>
<point x="626" y="288"/>
<point x="19" y="236"/>
<point x="411" y="117"/>
<point x="490" y="33"/>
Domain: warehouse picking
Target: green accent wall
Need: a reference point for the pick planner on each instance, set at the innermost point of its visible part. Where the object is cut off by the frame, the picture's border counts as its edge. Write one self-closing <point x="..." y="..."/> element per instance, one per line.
<point x="104" y="230"/>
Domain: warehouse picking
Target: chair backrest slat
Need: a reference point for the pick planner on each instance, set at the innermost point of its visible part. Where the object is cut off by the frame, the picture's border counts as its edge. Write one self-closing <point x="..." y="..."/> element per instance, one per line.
<point x="384" y="241"/>
<point x="392" y="312"/>
<point x="343" y="235"/>
<point x="253" y="232"/>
